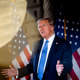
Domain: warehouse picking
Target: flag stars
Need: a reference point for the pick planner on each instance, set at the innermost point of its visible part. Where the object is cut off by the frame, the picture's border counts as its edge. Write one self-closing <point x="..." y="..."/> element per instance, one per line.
<point x="19" y="41"/>
<point x="57" y="33"/>
<point x="14" y="46"/>
<point x="75" y="43"/>
<point x="66" y="28"/>
<point x="24" y="36"/>
<point x="12" y="3"/>
<point x="77" y="23"/>
<point x="18" y="17"/>
<point x="20" y="29"/>
<point x="23" y="42"/>
<point x="61" y="34"/>
<point x="67" y="21"/>
<point x="19" y="47"/>
<point x="77" y="30"/>
<point x="20" y="35"/>
<point x="71" y="35"/>
<point x="72" y="22"/>
<point x="13" y="52"/>
<point x="70" y="42"/>
<point x="60" y="13"/>
<point x="62" y="27"/>
<point x="15" y="10"/>
<point x="72" y="29"/>
<point x="59" y="20"/>
<point x="58" y="26"/>
<point x="76" y="36"/>
<point x="15" y="40"/>
<point x="63" y="20"/>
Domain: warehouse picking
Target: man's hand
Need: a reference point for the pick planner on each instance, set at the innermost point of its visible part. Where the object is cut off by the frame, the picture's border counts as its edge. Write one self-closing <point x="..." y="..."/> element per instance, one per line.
<point x="59" y="68"/>
<point x="9" y="72"/>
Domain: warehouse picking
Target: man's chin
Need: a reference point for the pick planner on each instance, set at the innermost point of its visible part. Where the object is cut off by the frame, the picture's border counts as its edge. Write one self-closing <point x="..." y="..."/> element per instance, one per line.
<point x="43" y="36"/>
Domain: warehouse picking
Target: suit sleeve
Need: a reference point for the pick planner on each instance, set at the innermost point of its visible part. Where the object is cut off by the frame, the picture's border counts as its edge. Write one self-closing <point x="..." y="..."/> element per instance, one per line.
<point x="66" y="58"/>
<point x="28" y="69"/>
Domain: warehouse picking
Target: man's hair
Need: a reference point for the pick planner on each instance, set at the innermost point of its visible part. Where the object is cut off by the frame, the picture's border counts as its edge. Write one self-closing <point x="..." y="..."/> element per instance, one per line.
<point x="49" y="20"/>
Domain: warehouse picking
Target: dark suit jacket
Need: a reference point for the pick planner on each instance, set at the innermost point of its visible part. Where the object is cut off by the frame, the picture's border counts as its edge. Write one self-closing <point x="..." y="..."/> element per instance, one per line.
<point x="60" y="50"/>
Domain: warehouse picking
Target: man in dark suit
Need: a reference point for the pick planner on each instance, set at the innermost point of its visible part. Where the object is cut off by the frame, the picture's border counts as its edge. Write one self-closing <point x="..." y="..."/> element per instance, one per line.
<point x="50" y="63"/>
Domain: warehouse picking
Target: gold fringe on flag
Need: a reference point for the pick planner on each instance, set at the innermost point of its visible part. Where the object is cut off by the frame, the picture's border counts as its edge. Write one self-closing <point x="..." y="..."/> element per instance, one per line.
<point x="65" y="28"/>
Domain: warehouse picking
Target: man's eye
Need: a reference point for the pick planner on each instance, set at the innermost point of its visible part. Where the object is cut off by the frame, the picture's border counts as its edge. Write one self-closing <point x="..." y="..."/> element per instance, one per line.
<point x="44" y="25"/>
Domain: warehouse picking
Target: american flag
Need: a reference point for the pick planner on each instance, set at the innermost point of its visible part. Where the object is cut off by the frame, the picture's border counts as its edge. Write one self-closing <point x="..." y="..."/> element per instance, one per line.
<point x="73" y="36"/>
<point x="22" y="60"/>
<point x="21" y="53"/>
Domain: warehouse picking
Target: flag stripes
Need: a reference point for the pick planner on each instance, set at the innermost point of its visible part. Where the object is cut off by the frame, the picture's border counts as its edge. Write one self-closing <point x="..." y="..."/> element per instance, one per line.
<point x="76" y="68"/>
<point x="79" y="51"/>
<point x="77" y="58"/>
<point x="22" y="60"/>
<point x="27" y="52"/>
<point x="73" y="75"/>
<point x="75" y="72"/>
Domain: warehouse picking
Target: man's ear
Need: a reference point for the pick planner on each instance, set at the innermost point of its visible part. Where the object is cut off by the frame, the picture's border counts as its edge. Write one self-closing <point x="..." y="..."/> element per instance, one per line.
<point x="52" y="27"/>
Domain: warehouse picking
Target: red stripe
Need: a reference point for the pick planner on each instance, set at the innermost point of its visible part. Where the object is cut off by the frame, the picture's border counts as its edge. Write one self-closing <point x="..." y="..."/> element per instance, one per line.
<point x="28" y="77"/>
<point x="27" y="54"/>
<point x="20" y="61"/>
<point x="77" y="58"/>
<point x="73" y="75"/>
<point x="18" y="58"/>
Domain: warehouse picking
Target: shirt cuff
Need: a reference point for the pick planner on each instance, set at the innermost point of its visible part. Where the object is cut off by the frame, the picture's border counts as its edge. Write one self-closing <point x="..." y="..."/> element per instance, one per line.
<point x="17" y="75"/>
<point x="58" y="74"/>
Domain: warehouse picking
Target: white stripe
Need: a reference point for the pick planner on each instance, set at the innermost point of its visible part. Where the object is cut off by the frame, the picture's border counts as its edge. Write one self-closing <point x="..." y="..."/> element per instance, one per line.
<point x="23" y="78"/>
<point x="76" y="68"/>
<point x="78" y="51"/>
<point x="12" y="78"/>
<point x="23" y="57"/>
<point x="31" y="76"/>
<point x="15" y="63"/>
<point x="27" y="46"/>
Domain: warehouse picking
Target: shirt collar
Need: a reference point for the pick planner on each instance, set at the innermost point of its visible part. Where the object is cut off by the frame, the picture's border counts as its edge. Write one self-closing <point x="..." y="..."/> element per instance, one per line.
<point x="51" y="38"/>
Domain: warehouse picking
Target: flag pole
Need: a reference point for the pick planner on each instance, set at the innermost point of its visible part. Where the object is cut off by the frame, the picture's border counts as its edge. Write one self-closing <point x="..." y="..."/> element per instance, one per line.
<point x="9" y="78"/>
<point x="65" y="28"/>
<point x="65" y="37"/>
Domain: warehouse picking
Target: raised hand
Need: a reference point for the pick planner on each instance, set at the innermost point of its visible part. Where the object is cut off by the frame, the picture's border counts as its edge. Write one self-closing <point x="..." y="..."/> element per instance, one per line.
<point x="59" y="68"/>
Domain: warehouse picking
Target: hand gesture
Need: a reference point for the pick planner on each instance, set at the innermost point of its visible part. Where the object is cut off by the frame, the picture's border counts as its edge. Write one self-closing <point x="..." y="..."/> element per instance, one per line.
<point x="59" y="68"/>
<point x="9" y="72"/>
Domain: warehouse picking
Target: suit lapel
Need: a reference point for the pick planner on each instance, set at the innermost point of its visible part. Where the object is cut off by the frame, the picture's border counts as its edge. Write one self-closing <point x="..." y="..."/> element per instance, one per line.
<point x="37" y="54"/>
<point x="51" y="53"/>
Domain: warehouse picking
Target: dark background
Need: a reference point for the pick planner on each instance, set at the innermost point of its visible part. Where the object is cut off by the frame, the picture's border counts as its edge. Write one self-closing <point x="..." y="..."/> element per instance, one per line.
<point x="70" y="8"/>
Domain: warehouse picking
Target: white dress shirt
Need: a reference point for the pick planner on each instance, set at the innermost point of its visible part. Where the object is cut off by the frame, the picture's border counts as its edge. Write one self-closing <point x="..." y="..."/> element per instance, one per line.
<point x="51" y="39"/>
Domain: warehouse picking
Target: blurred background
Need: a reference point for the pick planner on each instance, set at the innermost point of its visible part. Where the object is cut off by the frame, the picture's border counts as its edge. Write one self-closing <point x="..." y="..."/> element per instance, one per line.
<point x="18" y="17"/>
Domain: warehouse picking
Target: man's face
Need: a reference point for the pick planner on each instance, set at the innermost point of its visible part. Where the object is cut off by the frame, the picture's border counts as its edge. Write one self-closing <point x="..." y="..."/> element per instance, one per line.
<point x="45" y="29"/>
